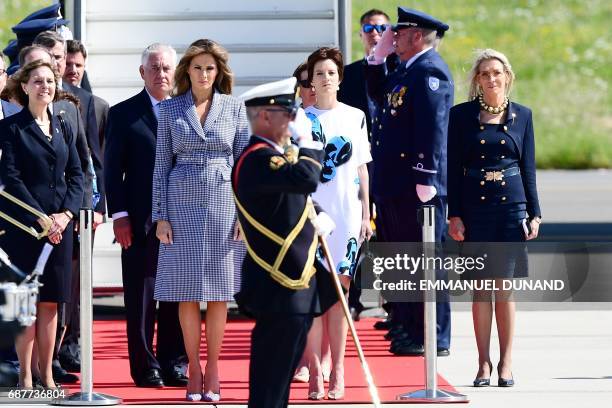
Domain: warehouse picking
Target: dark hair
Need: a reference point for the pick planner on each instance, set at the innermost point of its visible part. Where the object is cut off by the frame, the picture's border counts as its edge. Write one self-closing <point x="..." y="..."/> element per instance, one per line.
<point x="224" y="80"/>
<point x="322" y="54"/>
<point x="300" y="68"/>
<point x="74" y="46"/>
<point x="48" y="39"/>
<point x="22" y="76"/>
<point x="371" y="13"/>
<point x="26" y="50"/>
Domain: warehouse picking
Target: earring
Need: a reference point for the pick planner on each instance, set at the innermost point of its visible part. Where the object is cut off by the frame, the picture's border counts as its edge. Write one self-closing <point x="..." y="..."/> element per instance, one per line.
<point x="337" y="88"/>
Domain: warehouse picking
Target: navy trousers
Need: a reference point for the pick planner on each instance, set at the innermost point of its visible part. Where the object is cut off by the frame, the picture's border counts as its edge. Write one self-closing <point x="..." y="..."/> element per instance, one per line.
<point x="396" y="221"/>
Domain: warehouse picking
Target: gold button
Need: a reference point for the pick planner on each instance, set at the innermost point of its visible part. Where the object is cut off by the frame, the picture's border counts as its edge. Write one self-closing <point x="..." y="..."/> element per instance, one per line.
<point x="503" y="198"/>
<point x="402" y="155"/>
<point x="482" y="157"/>
<point x="482" y="198"/>
<point x="380" y="126"/>
<point x="377" y="143"/>
<point x="503" y="183"/>
<point x="481" y="127"/>
<point x="421" y="155"/>
<point x="384" y="110"/>
<point x="482" y="141"/>
<point x="482" y="183"/>
<point x="503" y="142"/>
<point x="505" y="127"/>
<point x="503" y="157"/>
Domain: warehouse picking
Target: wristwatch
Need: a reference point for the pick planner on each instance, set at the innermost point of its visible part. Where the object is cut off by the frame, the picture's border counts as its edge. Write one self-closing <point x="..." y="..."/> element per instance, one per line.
<point x="68" y="214"/>
<point x="537" y="219"/>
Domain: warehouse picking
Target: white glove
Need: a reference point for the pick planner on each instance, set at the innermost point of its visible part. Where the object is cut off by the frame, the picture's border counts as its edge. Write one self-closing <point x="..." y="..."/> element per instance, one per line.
<point x="301" y="127"/>
<point x="324" y="224"/>
<point x="384" y="47"/>
<point x="425" y="193"/>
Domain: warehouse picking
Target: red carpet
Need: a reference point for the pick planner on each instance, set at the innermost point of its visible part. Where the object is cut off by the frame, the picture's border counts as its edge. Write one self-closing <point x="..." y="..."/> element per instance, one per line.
<point x="392" y="375"/>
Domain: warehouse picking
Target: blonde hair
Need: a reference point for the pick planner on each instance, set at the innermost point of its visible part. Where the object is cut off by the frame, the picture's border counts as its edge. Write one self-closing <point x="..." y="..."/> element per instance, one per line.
<point x="485" y="55"/>
<point x="224" y="80"/>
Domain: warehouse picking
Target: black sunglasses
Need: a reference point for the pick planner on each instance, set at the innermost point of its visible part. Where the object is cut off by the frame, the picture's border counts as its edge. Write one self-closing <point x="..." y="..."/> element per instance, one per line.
<point x="367" y="28"/>
<point x="289" y="111"/>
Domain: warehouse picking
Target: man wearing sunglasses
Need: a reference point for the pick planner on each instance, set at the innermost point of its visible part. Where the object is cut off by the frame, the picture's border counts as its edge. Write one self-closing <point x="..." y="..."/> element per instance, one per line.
<point x="353" y="92"/>
<point x="283" y="286"/>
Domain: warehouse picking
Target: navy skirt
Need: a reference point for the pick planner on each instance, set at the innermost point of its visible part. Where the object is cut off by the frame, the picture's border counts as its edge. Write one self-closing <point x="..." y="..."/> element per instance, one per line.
<point x="494" y="226"/>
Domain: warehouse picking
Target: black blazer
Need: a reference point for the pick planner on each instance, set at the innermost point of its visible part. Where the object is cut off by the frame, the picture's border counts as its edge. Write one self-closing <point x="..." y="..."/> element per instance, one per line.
<point x="467" y="151"/>
<point x="129" y="156"/>
<point x="68" y="110"/>
<point x="88" y="113"/>
<point x="46" y="175"/>
<point x="353" y="88"/>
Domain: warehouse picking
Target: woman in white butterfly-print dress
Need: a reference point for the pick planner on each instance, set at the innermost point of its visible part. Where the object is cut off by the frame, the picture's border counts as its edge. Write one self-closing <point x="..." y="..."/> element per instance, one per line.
<point x="343" y="193"/>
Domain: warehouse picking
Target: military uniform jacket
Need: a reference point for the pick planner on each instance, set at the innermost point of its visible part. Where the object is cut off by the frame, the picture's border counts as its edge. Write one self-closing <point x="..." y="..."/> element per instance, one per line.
<point x="471" y="153"/>
<point x="272" y="195"/>
<point x="409" y="139"/>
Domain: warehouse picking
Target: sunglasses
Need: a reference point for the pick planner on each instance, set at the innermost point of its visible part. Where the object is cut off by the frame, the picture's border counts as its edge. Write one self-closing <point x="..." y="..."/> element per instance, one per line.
<point x="368" y="28"/>
<point x="288" y="111"/>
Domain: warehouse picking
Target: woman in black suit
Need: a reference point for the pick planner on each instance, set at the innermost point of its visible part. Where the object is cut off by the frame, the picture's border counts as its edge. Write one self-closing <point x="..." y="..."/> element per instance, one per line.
<point x="40" y="166"/>
<point x="492" y="195"/>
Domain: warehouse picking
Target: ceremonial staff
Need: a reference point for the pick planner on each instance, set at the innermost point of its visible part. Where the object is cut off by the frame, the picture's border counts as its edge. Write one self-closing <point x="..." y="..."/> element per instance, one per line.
<point x="364" y="364"/>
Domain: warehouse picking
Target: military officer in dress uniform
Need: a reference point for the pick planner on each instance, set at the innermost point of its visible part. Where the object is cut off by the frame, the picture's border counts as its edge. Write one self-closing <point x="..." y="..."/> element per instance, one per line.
<point x="409" y="149"/>
<point x="283" y="286"/>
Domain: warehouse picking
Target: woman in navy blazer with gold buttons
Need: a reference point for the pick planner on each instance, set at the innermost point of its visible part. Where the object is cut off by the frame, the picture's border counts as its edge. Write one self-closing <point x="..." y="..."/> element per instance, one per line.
<point x="40" y="166"/>
<point x="492" y="194"/>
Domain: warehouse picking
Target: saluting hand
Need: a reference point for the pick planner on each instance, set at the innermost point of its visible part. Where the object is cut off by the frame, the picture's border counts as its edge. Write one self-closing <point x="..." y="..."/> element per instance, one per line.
<point x="164" y="232"/>
<point x="456" y="229"/>
<point x="384" y="47"/>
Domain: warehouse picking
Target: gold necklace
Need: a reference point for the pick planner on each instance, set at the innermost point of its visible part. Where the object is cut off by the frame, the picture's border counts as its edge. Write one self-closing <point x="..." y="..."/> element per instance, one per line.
<point x="493" y="109"/>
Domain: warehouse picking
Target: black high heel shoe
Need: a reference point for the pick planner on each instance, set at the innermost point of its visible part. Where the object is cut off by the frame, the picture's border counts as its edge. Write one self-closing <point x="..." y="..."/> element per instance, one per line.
<point x="505" y="382"/>
<point x="484" y="382"/>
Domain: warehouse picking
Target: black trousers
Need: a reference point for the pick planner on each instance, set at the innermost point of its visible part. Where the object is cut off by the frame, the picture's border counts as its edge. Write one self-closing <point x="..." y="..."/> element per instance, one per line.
<point x="397" y="222"/>
<point x="139" y="267"/>
<point x="277" y="344"/>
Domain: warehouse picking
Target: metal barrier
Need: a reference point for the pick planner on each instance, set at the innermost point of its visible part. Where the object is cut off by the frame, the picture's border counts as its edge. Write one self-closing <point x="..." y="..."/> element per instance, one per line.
<point x="87" y="396"/>
<point x="431" y="393"/>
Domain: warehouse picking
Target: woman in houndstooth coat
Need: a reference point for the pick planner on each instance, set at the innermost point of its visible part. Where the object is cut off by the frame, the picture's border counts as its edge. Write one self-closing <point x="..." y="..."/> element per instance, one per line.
<point x="201" y="132"/>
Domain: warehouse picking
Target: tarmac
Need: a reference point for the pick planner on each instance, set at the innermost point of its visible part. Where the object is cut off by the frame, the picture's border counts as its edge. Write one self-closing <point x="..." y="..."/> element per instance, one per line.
<point x="562" y="355"/>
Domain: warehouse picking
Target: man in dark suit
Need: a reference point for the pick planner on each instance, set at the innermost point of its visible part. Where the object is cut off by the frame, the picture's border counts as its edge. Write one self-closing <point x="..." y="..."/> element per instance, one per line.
<point x="56" y="45"/>
<point x="409" y="147"/>
<point x="131" y="136"/>
<point x="76" y="59"/>
<point x="275" y="211"/>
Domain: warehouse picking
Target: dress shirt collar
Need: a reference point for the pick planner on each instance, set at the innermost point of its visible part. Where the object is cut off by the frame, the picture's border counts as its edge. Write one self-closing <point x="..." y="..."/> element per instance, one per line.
<point x="414" y="57"/>
<point x="271" y="143"/>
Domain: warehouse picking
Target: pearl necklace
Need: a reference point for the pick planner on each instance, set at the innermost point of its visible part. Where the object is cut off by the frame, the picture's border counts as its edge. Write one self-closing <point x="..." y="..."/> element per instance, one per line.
<point x="493" y="109"/>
